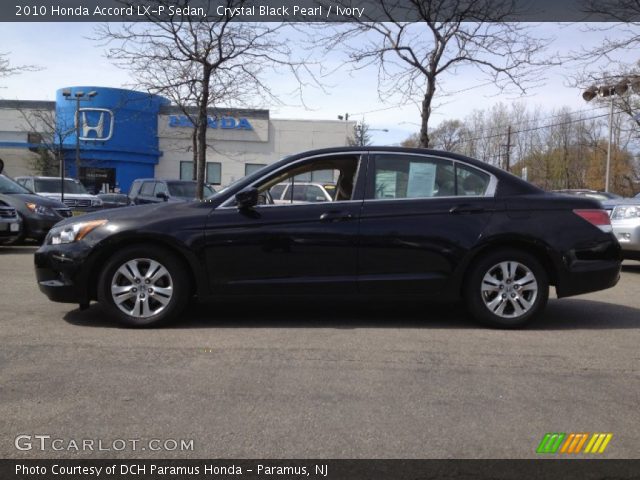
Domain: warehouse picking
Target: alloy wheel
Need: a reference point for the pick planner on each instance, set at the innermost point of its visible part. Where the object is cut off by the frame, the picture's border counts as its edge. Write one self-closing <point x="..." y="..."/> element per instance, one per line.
<point x="509" y="289"/>
<point x="142" y="287"/>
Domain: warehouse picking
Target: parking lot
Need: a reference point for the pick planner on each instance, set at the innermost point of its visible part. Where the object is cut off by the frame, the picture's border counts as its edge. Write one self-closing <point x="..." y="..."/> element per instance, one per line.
<point x="317" y="381"/>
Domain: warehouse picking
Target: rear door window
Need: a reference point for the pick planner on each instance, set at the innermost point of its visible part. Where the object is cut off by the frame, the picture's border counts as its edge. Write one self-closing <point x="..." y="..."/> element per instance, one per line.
<point x="407" y="176"/>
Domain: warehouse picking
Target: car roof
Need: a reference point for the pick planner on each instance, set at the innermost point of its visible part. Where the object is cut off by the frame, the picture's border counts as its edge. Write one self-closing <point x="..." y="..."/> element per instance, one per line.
<point x="40" y="177"/>
<point x="164" y="180"/>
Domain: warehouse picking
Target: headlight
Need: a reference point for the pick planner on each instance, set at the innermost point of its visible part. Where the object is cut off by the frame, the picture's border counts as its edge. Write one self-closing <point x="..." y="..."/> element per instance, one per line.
<point x="625" y="212"/>
<point x="40" y="209"/>
<point x="96" y="202"/>
<point x="72" y="232"/>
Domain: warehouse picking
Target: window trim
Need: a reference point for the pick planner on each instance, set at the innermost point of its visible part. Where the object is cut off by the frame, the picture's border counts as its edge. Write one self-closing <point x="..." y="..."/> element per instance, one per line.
<point x="193" y="166"/>
<point x="261" y="165"/>
<point x="369" y="191"/>
<point x="206" y="173"/>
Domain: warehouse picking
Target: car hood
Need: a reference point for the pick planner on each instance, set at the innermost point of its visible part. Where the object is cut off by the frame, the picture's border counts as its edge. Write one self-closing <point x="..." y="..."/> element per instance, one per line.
<point x="15" y="198"/>
<point x="621" y="201"/>
<point x="139" y="215"/>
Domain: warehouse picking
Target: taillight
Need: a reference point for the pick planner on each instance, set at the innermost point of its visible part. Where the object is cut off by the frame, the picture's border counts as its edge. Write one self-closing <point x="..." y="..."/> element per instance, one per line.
<point x="599" y="218"/>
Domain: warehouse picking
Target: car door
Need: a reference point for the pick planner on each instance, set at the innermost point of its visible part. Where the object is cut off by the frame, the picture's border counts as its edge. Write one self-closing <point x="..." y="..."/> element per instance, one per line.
<point x="287" y="249"/>
<point x="420" y="216"/>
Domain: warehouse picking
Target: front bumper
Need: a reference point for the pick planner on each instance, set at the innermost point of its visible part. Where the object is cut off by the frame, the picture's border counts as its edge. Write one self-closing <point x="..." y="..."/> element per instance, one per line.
<point x="62" y="272"/>
<point x="37" y="226"/>
<point x="627" y="233"/>
<point x="10" y="229"/>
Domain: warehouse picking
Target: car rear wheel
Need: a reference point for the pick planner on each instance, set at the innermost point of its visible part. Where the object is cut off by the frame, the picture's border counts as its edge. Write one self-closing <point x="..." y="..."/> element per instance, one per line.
<point x="144" y="286"/>
<point x="507" y="289"/>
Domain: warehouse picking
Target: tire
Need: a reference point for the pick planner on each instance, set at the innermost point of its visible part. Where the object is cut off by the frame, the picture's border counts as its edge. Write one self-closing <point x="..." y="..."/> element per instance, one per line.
<point x="144" y="286"/>
<point x="509" y="302"/>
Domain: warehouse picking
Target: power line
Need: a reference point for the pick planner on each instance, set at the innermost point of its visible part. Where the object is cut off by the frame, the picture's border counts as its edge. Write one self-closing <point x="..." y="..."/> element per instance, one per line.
<point x="549" y="125"/>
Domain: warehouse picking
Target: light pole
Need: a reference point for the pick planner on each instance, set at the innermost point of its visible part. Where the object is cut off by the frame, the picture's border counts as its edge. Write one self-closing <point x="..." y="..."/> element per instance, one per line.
<point x="78" y="97"/>
<point x="609" y="91"/>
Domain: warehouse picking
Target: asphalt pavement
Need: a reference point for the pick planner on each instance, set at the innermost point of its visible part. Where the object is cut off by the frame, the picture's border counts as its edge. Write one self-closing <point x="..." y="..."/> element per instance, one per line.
<point x="313" y="381"/>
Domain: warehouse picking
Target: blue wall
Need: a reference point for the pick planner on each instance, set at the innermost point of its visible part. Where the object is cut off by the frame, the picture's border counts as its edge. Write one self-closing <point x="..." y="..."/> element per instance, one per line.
<point x="129" y="143"/>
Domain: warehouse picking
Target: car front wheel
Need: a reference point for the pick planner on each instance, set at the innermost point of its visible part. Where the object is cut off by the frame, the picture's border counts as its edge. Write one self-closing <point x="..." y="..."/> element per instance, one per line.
<point x="144" y="286"/>
<point x="507" y="289"/>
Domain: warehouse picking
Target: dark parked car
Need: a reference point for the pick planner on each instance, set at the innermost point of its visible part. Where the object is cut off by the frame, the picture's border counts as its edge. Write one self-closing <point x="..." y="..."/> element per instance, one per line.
<point x="114" y="200"/>
<point x="406" y="223"/>
<point x="149" y="190"/>
<point x="37" y="214"/>
<point x="10" y="224"/>
<point x="595" y="194"/>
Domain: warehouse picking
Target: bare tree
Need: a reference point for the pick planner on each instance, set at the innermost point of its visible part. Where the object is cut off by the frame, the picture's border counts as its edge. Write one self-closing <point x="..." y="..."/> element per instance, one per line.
<point x="6" y="69"/>
<point x="448" y="135"/>
<point x="413" y="58"/>
<point x="198" y="62"/>
<point x="50" y="134"/>
<point x="621" y="18"/>
<point x="361" y="135"/>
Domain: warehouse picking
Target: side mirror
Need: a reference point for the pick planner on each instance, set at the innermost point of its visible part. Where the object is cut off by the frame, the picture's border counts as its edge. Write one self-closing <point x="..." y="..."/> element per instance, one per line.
<point x="162" y="195"/>
<point x="247" y="198"/>
<point x="1" y="165"/>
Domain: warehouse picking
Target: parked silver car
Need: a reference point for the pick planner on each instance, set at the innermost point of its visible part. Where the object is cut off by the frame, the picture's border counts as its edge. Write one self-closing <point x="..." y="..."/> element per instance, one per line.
<point x="625" y="220"/>
<point x="76" y="196"/>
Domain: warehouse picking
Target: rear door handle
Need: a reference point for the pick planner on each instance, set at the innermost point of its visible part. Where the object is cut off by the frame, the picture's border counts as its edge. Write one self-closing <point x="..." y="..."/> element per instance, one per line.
<point x="465" y="208"/>
<point x="335" y="216"/>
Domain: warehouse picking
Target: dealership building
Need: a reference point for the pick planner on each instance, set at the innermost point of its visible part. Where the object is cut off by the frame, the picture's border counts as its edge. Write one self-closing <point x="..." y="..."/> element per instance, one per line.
<point x="125" y="134"/>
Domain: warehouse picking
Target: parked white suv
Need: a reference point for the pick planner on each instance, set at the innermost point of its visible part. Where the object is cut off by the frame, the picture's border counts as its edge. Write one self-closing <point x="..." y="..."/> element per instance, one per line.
<point x="76" y="196"/>
<point x="625" y="221"/>
<point x="301" y="192"/>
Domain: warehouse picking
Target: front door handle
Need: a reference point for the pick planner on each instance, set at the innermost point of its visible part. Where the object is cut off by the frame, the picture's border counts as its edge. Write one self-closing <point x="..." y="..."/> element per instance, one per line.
<point x="335" y="216"/>
<point x="465" y="208"/>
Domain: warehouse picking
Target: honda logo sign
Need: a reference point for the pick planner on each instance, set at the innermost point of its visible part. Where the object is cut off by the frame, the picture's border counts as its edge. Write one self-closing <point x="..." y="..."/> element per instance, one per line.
<point x="96" y="124"/>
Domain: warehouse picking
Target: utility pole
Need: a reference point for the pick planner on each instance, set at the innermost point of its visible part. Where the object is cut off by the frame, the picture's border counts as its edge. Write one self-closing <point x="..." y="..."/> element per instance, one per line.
<point x="608" y="170"/>
<point x="609" y="91"/>
<point x="507" y="163"/>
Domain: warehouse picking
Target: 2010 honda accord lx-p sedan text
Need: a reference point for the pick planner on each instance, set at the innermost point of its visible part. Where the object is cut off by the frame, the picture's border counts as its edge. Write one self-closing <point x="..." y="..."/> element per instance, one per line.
<point x="409" y="223"/>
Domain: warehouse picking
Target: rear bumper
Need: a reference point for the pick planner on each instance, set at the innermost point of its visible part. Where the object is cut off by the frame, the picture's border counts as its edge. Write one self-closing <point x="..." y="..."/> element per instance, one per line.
<point x="590" y="269"/>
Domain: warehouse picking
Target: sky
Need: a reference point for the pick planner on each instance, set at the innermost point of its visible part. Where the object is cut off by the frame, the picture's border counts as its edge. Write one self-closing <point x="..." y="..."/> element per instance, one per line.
<point x="67" y="55"/>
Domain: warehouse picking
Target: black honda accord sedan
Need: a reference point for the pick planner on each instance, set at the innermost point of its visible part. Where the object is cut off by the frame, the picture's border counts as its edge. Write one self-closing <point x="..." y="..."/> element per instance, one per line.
<point x="404" y="223"/>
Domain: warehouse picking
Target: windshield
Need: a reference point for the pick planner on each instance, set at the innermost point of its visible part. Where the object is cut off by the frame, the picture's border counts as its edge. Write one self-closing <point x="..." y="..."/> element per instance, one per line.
<point x="8" y="186"/>
<point x="52" y="185"/>
<point x="188" y="190"/>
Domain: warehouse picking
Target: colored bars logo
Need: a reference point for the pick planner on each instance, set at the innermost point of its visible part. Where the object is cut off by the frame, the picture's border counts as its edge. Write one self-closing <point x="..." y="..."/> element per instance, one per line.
<point x="573" y="443"/>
